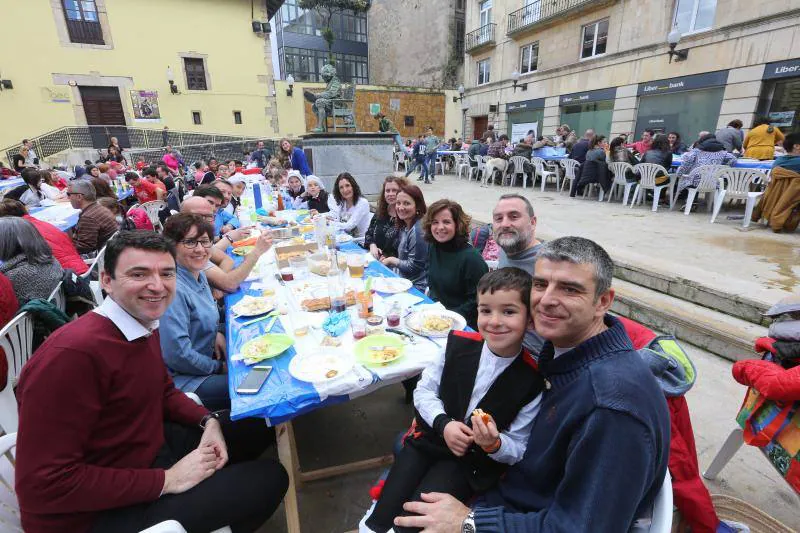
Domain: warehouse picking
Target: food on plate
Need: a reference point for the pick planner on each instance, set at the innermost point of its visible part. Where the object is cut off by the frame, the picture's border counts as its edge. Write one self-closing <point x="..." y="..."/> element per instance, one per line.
<point x="285" y="256"/>
<point x="243" y="250"/>
<point x="331" y="341"/>
<point x="324" y="303"/>
<point x="253" y="305"/>
<point x="245" y="242"/>
<point x="331" y="374"/>
<point x="383" y="354"/>
<point x="257" y="348"/>
<point x="343" y="238"/>
<point x="268" y="292"/>
<point x="483" y="415"/>
<point x="436" y="323"/>
<point x="272" y="221"/>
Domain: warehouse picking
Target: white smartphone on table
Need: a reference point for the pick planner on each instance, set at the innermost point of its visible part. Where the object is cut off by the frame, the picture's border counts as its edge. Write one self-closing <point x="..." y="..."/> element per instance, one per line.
<point x="254" y="379"/>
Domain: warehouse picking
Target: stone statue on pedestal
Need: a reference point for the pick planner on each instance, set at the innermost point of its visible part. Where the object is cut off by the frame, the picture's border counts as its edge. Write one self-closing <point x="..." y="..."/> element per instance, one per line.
<point x="323" y="102"/>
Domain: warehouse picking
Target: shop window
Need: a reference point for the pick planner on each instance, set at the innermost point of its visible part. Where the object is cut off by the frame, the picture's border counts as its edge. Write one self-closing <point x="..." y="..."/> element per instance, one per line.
<point x="484" y="71"/>
<point x="408" y="121"/>
<point x="83" y="24"/>
<point x="459" y="40"/>
<point x="195" y="68"/>
<point x="694" y="15"/>
<point x="237" y="117"/>
<point x="529" y="58"/>
<point x="197" y="120"/>
<point x="780" y="101"/>
<point x="595" y="38"/>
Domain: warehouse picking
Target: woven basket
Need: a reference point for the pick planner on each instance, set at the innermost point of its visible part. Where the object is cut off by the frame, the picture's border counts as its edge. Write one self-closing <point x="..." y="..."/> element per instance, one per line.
<point x="730" y="508"/>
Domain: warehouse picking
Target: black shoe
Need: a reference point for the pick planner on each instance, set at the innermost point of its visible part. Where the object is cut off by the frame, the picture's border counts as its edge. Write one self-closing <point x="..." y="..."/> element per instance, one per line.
<point x="428" y="181"/>
<point x="419" y="178"/>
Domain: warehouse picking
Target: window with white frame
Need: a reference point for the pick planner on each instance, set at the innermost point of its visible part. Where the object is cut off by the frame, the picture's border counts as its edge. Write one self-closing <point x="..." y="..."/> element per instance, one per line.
<point x="595" y="38"/>
<point x="529" y="58"/>
<point x="484" y="71"/>
<point x="694" y="15"/>
<point x="485" y="12"/>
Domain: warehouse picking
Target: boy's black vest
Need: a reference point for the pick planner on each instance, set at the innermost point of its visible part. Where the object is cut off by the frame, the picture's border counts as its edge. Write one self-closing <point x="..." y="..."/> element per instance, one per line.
<point x="514" y="388"/>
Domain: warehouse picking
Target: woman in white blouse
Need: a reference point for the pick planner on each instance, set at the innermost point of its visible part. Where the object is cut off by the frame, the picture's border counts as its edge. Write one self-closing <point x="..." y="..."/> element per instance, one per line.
<point x="349" y="209"/>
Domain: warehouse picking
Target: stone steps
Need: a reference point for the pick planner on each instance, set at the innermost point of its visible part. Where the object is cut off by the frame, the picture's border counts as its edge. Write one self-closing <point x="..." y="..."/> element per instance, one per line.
<point x="747" y="309"/>
<point x="727" y="336"/>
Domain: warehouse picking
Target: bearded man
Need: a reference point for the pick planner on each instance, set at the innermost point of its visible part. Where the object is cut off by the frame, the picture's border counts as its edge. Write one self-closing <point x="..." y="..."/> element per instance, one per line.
<point x="514" y="230"/>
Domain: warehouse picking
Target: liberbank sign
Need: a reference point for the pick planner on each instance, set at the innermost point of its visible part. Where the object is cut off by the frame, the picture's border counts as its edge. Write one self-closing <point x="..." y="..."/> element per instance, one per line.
<point x="683" y="83"/>
<point x="782" y="69"/>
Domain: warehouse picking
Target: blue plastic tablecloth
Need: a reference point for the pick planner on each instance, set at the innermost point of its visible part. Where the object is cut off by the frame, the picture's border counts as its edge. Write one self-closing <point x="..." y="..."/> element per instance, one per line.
<point x="282" y="397"/>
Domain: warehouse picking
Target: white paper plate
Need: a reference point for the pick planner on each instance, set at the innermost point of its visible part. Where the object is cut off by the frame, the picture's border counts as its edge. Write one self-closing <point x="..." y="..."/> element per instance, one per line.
<point x="318" y="367"/>
<point x="415" y="320"/>
<point x="260" y="305"/>
<point x="391" y="285"/>
<point x="343" y="238"/>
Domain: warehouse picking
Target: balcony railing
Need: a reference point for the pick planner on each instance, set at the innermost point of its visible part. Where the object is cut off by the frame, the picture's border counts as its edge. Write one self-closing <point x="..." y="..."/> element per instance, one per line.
<point x="483" y="36"/>
<point x="543" y="10"/>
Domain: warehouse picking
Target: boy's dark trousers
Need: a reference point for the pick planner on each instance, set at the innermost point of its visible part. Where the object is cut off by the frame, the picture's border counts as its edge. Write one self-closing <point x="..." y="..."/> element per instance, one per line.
<point x="415" y="471"/>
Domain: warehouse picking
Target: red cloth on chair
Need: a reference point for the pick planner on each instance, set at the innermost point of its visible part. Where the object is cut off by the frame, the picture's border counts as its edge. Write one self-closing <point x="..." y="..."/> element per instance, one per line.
<point x="689" y="494"/>
<point x="8" y="308"/>
<point x="768" y="378"/>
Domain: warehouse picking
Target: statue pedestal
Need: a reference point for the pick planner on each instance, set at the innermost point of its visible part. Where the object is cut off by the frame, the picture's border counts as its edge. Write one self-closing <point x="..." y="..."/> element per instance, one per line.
<point x="367" y="156"/>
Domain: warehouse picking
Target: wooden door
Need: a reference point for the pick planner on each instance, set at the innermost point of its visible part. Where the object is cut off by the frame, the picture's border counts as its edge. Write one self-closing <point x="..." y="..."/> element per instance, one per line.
<point x="103" y="107"/>
<point x="479" y="125"/>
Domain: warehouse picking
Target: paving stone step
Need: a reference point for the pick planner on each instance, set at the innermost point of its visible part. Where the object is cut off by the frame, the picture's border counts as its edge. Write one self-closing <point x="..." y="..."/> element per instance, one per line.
<point x="719" y="333"/>
<point x="731" y="304"/>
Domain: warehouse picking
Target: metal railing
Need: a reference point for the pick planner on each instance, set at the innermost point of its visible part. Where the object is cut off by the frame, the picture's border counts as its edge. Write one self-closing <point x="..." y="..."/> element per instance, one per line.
<point x="542" y="10"/>
<point x="481" y="37"/>
<point x="98" y="137"/>
<point x="221" y="151"/>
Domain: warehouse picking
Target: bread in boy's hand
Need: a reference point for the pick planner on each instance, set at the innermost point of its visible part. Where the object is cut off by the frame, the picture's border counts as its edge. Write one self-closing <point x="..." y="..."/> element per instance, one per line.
<point x="484" y="415"/>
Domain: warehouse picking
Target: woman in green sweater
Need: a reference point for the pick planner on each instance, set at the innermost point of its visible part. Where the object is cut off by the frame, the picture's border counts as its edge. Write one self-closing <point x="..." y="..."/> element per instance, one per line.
<point x="454" y="266"/>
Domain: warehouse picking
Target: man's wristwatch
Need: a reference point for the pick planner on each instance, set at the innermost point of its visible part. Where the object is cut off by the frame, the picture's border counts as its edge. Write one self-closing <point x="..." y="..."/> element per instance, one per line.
<point x="228" y="237"/>
<point x="213" y="414"/>
<point x="468" y="525"/>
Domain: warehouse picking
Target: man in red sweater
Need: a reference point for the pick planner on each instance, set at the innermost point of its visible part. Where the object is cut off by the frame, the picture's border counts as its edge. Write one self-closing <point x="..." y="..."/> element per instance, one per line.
<point x="106" y="442"/>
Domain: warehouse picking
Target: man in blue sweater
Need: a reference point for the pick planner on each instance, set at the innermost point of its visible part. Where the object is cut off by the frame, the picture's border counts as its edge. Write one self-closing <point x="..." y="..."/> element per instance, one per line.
<point x="597" y="453"/>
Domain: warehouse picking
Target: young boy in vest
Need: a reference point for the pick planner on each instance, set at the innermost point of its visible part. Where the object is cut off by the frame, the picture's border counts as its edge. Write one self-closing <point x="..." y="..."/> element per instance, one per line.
<point x="474" y="408"/>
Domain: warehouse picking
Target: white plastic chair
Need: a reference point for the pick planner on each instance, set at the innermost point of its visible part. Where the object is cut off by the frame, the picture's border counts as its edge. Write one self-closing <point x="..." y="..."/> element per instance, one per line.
<point x="736" y="186"/>
<point x="647" y="180"/>
<point x="569" y="166"/>
<point x="463" y="163"/>
<point x="58" y="298"/>
<point x="657" y="519"/>
<point x="519" y="170"/>
<point x="544" y="175"/>
<point x="709" y="184"/>
<point x="481" y="159"/>
<point x="152" y="209"/>
<point x="620" y="170"/>
<point x="732" y="444"/>
<point x="97" y="263"/>
<point x="399" y="159"/>
<point x="16" y="340"/>
<point x="9" y="506"/>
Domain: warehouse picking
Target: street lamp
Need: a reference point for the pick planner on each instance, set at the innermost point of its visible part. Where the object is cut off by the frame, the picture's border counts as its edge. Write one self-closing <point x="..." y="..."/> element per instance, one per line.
<point x="171" y="79"/>
<point x="672" y="39"/>
<point x="460" y="96"/>
<point x="515" y="79"/>
<point x="290" y="82"/>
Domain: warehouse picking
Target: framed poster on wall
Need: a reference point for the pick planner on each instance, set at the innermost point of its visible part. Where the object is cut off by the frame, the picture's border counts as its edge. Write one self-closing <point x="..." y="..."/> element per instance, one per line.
<point x="145" y="106"/>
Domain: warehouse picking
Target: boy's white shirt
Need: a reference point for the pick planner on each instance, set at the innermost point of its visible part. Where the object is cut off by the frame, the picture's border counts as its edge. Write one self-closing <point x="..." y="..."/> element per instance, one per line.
<point x="514" y="440"/>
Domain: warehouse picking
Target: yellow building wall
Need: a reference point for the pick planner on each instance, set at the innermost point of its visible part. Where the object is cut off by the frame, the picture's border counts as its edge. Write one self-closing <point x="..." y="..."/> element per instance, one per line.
<point x="147" y="36"/>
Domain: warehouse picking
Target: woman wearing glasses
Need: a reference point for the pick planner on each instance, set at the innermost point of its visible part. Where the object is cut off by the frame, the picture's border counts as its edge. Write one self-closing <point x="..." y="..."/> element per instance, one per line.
<point x="192" y="347"/>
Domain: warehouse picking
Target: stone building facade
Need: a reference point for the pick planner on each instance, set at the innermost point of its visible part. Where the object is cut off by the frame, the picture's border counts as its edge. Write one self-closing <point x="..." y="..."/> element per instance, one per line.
<point x="605" y="64"/>
<point x="416" y="43"/>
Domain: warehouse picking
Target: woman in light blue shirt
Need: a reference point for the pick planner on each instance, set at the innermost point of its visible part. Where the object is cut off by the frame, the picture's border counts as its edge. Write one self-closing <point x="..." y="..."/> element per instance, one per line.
<point x="191" y="344"/>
